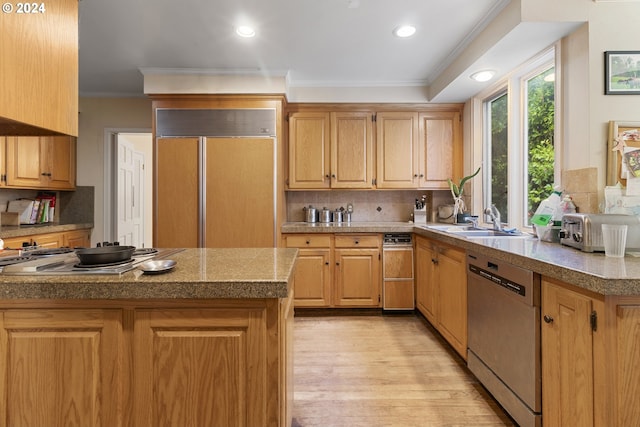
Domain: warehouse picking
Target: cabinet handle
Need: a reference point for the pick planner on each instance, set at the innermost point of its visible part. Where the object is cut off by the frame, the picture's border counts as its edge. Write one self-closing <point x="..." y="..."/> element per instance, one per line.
<point x="337" y="263"/>
<point x="356" y="241"/>
<point x="415" y="175"/>
<point x="548" y="319"/>
<point x="433" y="260"/>
<point x="327" y="176"/>
<point x="308" y="242"/>
<point x="421" y="175"/>
<point x="333" y="175"/>
<point x="326" y="263"/>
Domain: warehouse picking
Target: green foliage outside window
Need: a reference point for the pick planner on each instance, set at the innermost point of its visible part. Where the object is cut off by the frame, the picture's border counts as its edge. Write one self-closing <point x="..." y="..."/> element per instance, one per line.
<point x="540" y="93"/>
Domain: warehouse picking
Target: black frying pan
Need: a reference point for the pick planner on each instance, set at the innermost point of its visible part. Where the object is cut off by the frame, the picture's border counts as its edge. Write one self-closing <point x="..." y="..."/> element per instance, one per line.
<point x="105" y="254"/>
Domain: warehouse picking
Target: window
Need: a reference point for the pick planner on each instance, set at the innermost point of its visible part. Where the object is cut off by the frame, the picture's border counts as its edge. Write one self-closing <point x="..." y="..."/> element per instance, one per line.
<point x="519" y="153"/>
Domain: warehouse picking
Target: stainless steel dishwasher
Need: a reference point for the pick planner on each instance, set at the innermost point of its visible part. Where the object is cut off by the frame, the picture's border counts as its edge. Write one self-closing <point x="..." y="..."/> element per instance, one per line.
<point x="504" y="335"/>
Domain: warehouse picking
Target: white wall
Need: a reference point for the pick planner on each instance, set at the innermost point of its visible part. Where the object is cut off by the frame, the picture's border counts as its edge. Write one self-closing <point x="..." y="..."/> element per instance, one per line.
<point x="97" y="115"/>
<point x="612" y="26"/>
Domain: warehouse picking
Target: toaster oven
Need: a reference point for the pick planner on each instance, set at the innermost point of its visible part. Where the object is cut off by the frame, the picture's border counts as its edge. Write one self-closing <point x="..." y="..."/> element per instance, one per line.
<point x="584" y="231"/>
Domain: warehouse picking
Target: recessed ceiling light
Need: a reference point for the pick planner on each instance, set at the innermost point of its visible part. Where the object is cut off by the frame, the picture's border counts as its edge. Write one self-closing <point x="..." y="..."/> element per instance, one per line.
<point x="483" y="76"/>
<point x="404" y="31"/>
<point x="245" y="31"/>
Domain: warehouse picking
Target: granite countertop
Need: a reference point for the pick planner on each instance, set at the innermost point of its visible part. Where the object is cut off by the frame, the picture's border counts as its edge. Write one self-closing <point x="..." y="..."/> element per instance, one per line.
<point x="590" y="271"/>
<point x="199" y="274"/>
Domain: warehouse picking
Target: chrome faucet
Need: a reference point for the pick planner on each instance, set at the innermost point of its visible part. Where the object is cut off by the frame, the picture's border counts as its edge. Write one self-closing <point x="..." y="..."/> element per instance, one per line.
<point x="494" y="214"/>
<point x="473" y="220"/>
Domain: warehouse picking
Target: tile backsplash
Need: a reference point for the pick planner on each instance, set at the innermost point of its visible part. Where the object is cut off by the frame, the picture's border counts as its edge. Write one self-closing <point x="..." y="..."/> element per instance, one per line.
<point x="371" y="206"/>
<point x="582" y="185"/>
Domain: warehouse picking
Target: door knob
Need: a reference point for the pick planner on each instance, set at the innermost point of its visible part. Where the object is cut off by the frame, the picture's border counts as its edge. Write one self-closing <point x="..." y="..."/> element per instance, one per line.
<point x="548" y="319"/>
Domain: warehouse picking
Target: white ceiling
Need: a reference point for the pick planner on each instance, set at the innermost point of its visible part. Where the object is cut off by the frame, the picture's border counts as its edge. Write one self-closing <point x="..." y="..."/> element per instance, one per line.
<point x="315" y="43"/>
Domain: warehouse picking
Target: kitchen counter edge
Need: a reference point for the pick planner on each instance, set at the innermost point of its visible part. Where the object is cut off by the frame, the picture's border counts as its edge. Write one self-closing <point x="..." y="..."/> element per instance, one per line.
<point x="589" y="271"/>
<point x="234" y="273"/>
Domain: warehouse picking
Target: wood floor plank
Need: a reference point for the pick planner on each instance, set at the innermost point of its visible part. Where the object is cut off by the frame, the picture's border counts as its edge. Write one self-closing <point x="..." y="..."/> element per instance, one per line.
<point x="383" y="371"/>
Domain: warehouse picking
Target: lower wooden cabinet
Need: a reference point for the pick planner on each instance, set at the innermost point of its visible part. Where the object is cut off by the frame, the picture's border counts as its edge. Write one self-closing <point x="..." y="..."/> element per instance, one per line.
<point x="73" y="239"/>
<point x="337" y="271"/>
<point x="590" y="357"/>
<point x="159" y="363"/>
<point x="441" y="290"/>
<point x="61" y="367"/>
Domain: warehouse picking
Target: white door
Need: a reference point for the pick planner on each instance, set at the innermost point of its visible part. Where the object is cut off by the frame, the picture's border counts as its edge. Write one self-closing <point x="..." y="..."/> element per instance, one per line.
<point x="130" y="195"/>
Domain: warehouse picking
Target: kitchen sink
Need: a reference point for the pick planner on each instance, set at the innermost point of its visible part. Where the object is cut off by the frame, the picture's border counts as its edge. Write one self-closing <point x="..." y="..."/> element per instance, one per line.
<point x="475" y="232"/>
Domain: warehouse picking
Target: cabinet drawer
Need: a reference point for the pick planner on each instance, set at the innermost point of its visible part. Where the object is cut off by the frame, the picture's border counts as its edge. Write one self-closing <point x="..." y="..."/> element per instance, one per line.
<point x="309" y="241"/>
<point x="358" y="241"/>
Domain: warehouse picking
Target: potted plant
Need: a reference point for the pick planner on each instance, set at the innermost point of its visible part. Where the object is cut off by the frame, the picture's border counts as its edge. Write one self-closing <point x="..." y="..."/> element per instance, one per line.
<point x="456" y="191"/>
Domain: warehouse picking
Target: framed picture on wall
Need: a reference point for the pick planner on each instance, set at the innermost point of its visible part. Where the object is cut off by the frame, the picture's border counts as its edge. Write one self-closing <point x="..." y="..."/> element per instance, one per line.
<point x="622" y="72"/>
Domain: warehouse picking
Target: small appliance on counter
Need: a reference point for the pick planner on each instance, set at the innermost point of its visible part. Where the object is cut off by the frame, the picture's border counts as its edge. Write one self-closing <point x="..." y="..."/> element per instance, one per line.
<point x="584" y="231"/>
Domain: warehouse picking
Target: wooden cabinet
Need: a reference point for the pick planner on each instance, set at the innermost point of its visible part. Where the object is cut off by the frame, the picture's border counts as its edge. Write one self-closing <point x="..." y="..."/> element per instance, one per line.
<point x="397" y="273"/>
<point x="397" y="150"/>
<point x="77" y="238"/>
<point x="567" y="354"/>
<point x="590" y="357"/>
<point x="414" y="147"/>
<point x="309" y="150"/>
<point x="313" y="279"/>
<point x="357" y="274"/>
<point x="440" y="149"/>
<point x="340" y="271"/>
<point x="441" y="289"/>
<point x="44" y="162"/>
<point x="73" y="239"/>
<point x="39" y="83"/>
<point x="351" y="150"/>
<point x="61" y="367"/>
<point x="220" y="387"/>
<point x="330" y="150"/>
<point x="147" y="363"/>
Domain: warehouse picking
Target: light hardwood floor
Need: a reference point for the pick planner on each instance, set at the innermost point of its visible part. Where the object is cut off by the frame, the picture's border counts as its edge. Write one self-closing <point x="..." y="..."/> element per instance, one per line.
<point x="383" y="371"/>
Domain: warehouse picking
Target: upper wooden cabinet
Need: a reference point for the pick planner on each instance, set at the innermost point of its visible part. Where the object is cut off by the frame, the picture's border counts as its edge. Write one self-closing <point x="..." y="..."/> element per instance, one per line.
<point x="309" y="154"/>
<point x="330" y="150"/>
<point x="440" y="151"/>
<point x="397" y="149"/>
<point x="412" y="148"/>
<point x="39" y="71"/>
<point x="41" y="162"/>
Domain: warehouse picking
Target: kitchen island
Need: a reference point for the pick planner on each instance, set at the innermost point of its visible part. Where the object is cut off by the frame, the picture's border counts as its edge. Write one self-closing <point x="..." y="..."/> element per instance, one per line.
<point x="208" y="343"/>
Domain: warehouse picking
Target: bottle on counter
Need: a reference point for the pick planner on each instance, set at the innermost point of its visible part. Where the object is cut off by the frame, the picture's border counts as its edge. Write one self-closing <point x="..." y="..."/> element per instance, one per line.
<point x="547" y="208"/>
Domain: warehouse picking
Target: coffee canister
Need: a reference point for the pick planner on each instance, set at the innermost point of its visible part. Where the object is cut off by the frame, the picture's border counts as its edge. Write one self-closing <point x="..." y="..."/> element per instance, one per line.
<point x="325" y="215"/>
<point x="337" y="215"/>
<point x="311" y="214"/>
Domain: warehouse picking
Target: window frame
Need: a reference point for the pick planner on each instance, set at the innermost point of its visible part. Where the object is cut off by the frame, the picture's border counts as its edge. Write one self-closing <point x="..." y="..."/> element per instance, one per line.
<point x="514" y="85"/>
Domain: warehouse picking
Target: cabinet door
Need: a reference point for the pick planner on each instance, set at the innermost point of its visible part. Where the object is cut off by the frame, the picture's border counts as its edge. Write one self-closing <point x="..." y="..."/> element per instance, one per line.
<point x="61" y="367"/>
<point x="77" y="239"/>
<point x="440" y="150"/>
<point x="452" y="294"/>
<point x="351" y="150"/>
<point x="39" y="83"/>
<point x="61" y="158"/>
<point x="177" y="216"/>
<point x="357" y="277"/>
<point x="397" y="150"/>
<point x="628" y="366"/>
<point x="312" y="279"/>
<point x="49" y="240"/>
<point x="398" y="286"/>
<point x="200" y="367"/>
<point x="309" y="154"/>
<point x="426" y="290"/>
<point x="26" y="162"/>
<point x="567" y="355"/>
